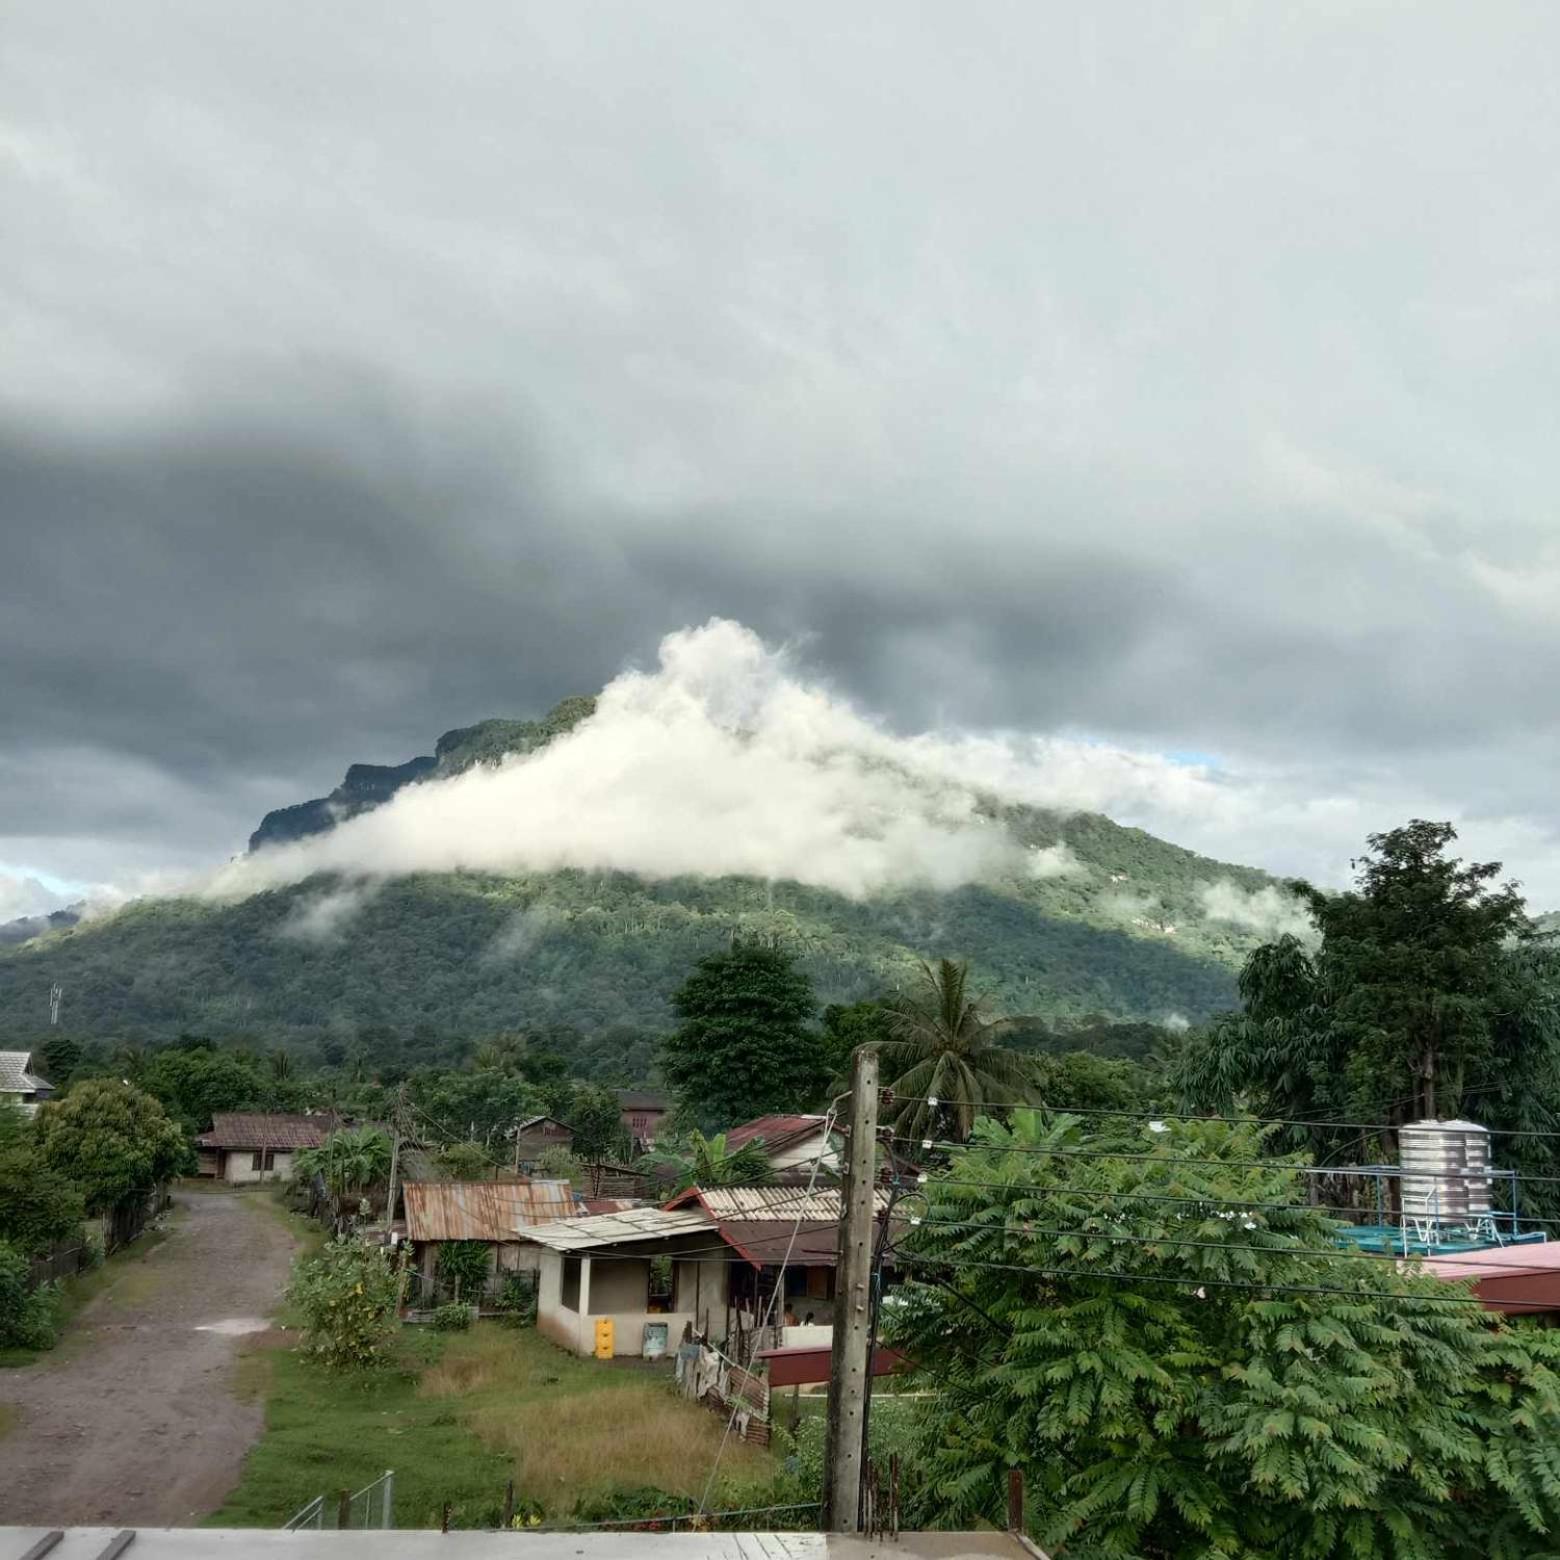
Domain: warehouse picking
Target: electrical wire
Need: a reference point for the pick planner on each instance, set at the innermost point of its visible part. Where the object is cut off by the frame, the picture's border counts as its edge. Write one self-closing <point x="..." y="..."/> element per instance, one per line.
<point x="775" y="1293"/>
<point x="1197" y="1281"/>
<point x="1277" y="1165"/>
<point x="898" y="1099"/>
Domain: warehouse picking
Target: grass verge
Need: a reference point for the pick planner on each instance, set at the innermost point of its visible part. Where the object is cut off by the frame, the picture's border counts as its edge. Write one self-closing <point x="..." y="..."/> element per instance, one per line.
<point x="458" y="1415"/>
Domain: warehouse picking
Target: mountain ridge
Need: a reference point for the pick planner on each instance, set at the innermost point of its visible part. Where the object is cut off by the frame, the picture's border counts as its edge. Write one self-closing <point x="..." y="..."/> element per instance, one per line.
<point x="1118" y="922"/>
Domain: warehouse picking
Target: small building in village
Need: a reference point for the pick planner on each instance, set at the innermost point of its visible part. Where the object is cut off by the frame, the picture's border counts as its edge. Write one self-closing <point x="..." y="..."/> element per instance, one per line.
<point x="492" y="1212"/>
<point x="20" y="1081"/>
<point x="643" y="1113"/>
<point x="709" y="1260"/>
<point x="791" y="1144"/>
<point x="535" y="1135"/>
<point x="246" y="1146"/>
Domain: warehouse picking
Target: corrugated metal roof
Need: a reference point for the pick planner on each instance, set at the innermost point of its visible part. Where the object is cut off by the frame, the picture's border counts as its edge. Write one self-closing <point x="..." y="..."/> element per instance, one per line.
<point x="246" y="1129"/>
<point x="618" y="1229"/>
<point x="15" y="1074"/>
<point x="783" y="1204"/>
<point x="776" y="1131"/>
<point x="482" y="1210"/>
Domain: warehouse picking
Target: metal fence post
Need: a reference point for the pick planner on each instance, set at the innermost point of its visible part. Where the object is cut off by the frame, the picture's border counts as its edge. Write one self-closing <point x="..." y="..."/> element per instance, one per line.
<point x="388" y="1509"/>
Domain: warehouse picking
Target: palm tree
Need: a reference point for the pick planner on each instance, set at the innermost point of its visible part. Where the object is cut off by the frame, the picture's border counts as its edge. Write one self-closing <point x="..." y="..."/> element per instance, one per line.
<point x="281" y="1064"/>
<point x="942" y="1048"/>
<point x="350" y="1159"/>
<point x="707" y="1161"/>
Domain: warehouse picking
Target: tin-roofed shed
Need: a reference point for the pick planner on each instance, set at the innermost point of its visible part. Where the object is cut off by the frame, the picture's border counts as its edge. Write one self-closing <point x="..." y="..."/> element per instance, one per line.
<point x="491" y="1212"/>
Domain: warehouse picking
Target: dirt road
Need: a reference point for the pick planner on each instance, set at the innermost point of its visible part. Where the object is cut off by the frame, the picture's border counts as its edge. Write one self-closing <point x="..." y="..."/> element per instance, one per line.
<point x="133" y="1421"/>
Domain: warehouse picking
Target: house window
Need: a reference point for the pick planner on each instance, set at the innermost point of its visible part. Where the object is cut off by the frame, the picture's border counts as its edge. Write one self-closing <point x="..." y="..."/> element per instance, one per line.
<point x="270" y="1159"/>
<point x="257" y="1160"/>
<point x="570" y="1298"/>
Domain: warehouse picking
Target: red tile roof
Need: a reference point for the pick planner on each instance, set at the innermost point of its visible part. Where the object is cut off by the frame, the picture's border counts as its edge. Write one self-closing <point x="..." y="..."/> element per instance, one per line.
<point x="243" y="1129"/>
<point x="776" y="1131"/>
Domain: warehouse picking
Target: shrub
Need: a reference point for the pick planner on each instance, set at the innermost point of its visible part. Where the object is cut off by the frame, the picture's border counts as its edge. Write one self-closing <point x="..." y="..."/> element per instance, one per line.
<point x="29" y="1319"/>
<point x="452" y="1318"/>
<point x="517" y="1299"/>
<point x="347" y="1295"/>
<point x="463" y="1266"/>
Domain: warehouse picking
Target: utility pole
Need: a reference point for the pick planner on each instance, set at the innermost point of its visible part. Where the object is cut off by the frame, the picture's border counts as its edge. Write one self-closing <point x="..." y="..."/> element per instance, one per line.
<point x="395" y="1154"/>
<point x="850" y="1363"/>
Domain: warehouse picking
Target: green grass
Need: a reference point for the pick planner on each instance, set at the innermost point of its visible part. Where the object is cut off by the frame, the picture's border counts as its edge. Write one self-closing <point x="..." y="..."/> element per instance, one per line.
<point x="458" y="1415"/>
<point x="120" y="1273"/>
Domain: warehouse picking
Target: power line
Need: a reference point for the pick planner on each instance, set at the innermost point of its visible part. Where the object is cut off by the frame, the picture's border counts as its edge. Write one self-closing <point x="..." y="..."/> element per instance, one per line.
<point x="1197" y="1281"/>
<point x="1175" y="1115"/>
<point x="1338" y="1253"/>
<point x="1278" y="1166"/>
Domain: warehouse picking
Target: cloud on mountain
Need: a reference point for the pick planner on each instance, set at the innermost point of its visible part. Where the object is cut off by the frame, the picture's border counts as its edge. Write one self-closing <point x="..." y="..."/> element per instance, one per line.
<point x="1065" y="374"/>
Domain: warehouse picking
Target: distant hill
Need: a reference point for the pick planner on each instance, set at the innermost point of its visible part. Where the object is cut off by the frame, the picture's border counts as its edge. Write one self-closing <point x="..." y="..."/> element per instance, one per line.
<point x="1119" y="925"/>
<point x="26" y="927"/>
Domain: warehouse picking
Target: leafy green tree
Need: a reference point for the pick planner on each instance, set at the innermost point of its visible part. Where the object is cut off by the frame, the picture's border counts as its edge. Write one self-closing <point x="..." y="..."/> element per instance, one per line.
<point x="58" y="1058"/>
<point x="466" y="1161"/>
<point x="597" y="1120"/>
<point x="483" y="1105"/>
<point x="1426" y="989"/>
<point x="744" y="1046"/>
<point x="39" y="1208"/>
<point x="1221" y="1380"/>
<point x="347" y="1295"/>
<point x="846" y="1028"/>
<point x="708" y="1161"/>
<point x="943" y="1047"/>
<point x="112" y="1139"/>
<point x="194" y="1083"/>
<point x="1092" y="1083"/>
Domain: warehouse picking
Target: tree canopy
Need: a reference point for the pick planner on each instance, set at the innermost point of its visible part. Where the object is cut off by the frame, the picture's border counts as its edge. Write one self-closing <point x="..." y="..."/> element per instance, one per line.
<point x="112" y="1139"/>
<point x="1426" y="993"/>
<point x="1217" y="1380"/>
<point x="744" y="1045"/>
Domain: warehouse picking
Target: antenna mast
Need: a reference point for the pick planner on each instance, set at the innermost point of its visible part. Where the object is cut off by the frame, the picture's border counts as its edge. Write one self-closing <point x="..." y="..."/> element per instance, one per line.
<point x="56" y="994"/>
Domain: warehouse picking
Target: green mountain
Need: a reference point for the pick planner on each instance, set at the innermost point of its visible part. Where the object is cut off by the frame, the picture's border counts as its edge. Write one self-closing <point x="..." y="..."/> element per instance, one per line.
<point x="1119" y="927"/>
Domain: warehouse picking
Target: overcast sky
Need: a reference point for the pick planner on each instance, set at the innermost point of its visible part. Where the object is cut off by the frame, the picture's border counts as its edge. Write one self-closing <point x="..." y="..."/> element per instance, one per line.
<point x="1178" y="378"/>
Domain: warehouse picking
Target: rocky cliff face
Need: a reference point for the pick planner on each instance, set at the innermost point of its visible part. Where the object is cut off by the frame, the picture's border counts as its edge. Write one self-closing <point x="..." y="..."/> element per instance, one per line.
<point x="366" y="786"/>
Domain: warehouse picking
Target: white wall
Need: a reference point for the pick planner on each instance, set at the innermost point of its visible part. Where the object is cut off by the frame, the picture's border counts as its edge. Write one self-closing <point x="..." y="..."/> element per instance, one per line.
<point x="605" y="1286"/>
<point x="239" y="1167"/>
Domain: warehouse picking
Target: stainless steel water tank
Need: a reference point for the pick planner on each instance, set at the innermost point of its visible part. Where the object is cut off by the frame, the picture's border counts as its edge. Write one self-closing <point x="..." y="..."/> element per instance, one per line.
<point x="1445" y="1169"/>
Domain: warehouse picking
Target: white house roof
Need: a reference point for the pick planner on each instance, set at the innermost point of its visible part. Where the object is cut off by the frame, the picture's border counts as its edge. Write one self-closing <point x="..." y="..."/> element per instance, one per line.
<point x="617" y="1229"/>
<point x="14" y="1076"/>
<point x="786" y="1204"/>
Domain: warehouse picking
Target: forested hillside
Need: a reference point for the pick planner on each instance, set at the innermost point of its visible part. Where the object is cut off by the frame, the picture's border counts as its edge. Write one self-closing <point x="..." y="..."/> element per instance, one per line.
<point x="1113" y="922"/>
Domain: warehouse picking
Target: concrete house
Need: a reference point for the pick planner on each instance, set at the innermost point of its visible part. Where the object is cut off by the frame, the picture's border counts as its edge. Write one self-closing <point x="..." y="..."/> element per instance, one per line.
<point x="719" y="1251"/>
<point x="20" y="1083"/>
<point x="246" y="1146"/>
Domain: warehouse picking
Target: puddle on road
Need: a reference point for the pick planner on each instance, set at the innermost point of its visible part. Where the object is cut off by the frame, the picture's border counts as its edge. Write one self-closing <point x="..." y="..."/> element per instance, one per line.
<point x="235" y="1326"/>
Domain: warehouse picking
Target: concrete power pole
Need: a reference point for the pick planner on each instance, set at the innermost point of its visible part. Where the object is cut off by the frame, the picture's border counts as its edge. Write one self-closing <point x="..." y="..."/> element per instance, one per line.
<point x="849" y="1364"/>
<point x="395" y="1154"/>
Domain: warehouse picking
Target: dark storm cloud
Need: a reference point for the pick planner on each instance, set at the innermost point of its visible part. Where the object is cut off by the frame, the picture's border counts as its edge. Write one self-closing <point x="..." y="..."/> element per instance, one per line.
<point x="1182" y="380"/>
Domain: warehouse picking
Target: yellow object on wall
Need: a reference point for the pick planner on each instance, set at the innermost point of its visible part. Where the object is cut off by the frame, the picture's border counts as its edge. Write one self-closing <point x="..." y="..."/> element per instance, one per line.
<point x="604" y="1338"/>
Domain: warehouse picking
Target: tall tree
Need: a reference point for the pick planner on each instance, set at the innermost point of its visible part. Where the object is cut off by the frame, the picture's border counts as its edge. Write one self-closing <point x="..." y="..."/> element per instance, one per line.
<point x="942" y="1046"/>
<point x="745" y="1045"/>
<point x="1189" y="1384"/>
<point x="111" y="1139"/>
<point x="1425" y="991"/>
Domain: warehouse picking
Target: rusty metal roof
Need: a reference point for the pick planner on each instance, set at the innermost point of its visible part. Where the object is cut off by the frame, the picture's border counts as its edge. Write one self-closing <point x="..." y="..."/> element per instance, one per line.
<point x="483" y="1210"/>
<point x="777" y="1131"/>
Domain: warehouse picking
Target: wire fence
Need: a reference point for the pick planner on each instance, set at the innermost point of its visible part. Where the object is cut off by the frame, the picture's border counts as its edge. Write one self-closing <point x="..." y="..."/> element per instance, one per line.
<point x="373" y="1506"/>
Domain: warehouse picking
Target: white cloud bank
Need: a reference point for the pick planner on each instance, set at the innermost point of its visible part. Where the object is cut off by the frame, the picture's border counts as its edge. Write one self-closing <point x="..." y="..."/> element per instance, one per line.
<point x="1269" y="912"/>
<point x="724" y="759"/>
